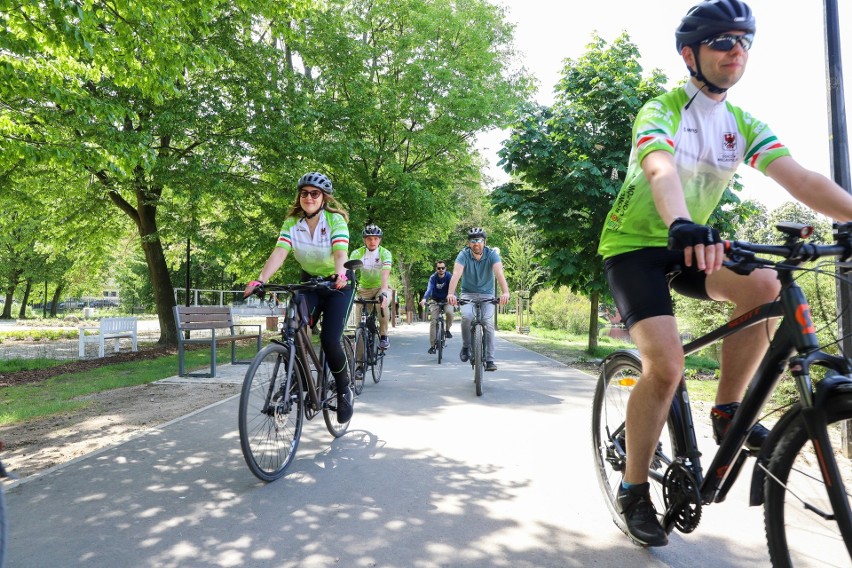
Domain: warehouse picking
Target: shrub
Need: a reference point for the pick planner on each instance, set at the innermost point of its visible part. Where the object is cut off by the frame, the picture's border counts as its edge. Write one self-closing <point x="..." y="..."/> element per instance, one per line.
<point x="560" y="309"/>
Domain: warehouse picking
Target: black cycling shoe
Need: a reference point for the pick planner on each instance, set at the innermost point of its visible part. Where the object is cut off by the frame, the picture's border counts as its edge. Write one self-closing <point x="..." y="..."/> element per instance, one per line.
<point x="722" y="421"/>
<point x="464" y="355"/>
<point x="490" y="366"/>
<point x="344" y="406"/>
<point x="448" y="335"/>
<point x="432" y="350"/>
<point x="640" y="516"/>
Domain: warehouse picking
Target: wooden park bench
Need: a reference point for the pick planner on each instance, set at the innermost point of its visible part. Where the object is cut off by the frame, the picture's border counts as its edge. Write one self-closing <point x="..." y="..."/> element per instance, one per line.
<point x="108" y="328"/>
<point x="219" y="322"/>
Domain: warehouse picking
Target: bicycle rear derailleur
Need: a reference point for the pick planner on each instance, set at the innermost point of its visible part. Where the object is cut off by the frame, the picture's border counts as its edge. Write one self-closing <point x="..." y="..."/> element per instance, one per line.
<point x="682" y="498"/>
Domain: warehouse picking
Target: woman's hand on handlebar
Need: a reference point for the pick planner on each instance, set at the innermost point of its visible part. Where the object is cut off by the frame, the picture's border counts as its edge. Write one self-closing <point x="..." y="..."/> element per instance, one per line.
<point x="340" y="280"/>
<point x="255" y="286"/>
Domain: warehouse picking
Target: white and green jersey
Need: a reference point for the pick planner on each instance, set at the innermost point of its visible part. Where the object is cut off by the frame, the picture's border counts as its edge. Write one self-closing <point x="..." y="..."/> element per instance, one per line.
<point x="709" y="140"/>
<point x="315" y="252"/>
<point x="374" y="262"/>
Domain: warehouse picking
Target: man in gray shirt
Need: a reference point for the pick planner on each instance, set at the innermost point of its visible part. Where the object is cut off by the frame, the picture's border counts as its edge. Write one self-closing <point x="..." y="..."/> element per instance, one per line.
<point x="479" y="265"/>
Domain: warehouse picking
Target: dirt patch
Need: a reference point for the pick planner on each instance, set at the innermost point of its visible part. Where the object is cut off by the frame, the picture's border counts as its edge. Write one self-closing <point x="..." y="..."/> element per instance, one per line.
<point x="111" y="417"/>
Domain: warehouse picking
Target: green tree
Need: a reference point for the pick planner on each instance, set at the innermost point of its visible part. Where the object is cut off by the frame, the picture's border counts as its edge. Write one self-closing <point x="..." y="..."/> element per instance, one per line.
<point x="522" y="261"/>
<point x="568" y="161"/>
<point x="399" y="90"/>
<point x="156" y="109"/>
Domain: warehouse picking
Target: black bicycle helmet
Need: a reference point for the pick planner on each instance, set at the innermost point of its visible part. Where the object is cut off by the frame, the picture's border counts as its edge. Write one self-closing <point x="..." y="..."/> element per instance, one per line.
<point x="476" y="233"/>
<point x="371" y="231"/>
<point x="318" y="180"/>
<point x="713" y="17"/>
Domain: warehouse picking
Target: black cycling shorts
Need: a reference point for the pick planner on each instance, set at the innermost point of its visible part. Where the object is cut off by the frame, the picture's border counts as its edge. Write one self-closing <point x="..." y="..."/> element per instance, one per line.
<point x="640" y="280"/>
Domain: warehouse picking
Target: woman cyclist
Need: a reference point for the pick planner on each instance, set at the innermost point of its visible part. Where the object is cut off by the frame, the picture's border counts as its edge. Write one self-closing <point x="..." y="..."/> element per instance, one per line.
<point x="315" y="229"/>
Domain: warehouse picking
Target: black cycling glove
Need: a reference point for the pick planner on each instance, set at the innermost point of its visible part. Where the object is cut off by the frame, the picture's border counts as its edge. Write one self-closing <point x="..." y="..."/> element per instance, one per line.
<point x="684" y="233"/>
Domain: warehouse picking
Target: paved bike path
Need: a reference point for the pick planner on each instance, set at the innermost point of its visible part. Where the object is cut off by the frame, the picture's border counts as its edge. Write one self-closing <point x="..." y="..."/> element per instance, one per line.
<point x="429" y="475"/>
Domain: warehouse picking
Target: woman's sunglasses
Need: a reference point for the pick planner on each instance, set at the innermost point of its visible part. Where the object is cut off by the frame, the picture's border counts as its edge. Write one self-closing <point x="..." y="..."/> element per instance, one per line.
<point x="726" y="42"/>
<point x="315" y="194"/>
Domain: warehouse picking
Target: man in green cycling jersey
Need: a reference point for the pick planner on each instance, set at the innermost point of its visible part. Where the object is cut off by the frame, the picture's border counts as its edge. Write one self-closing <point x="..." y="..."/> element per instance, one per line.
<point x="375" y="274"/>
<point x="686" y="147"/>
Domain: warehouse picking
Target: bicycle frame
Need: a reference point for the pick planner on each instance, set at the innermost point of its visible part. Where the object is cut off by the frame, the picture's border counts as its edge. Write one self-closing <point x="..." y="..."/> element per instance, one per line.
<point x="795" y="332"/>
<point x="297" y="336"/>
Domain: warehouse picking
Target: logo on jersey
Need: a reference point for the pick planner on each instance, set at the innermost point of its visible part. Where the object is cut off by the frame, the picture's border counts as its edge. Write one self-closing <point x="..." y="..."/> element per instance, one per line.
<point x="729" y="141"/>
<point x="322" y="231"/>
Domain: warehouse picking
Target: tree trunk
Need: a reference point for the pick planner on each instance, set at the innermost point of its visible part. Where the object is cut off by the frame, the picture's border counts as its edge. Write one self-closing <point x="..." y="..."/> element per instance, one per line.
<point x="57" y="294"/>
<point x="144" y="215"/>
<point x="22" y="313"/>
<point x="594" y="300"/>
<point x="10" y="293"/>
<point x="158" y="270"/>
<point x="405" y="274"/>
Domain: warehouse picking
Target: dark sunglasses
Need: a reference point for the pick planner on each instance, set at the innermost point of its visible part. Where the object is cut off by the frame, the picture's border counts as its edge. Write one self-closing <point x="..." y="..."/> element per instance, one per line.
<point x="315" y="194"/>
<point x="442" y="268"/>
<point x="726" y="42"/>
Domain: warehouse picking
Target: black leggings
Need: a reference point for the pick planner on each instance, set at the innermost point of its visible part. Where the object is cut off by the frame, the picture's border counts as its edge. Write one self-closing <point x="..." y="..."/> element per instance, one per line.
<point x="334" y="305"/>
<point x="639" y="281"/>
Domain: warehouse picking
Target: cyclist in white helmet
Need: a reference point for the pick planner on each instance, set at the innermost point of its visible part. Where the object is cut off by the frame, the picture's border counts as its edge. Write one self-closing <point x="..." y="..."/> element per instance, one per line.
<point x="316" y="231"/>
<point x="375" y="275"/>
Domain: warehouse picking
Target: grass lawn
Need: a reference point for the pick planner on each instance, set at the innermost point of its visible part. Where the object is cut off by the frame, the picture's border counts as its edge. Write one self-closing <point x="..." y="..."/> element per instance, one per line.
<point x="64" y="393"/>
<point x="571" y="350"/>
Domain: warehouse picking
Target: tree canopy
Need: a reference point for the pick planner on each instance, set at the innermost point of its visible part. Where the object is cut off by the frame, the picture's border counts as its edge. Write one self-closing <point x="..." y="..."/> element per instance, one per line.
<point x="195" y="119"/>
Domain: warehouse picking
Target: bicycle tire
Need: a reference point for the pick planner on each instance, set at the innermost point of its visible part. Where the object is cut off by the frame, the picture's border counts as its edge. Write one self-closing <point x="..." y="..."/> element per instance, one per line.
<point x="618" y="376"/>
<point x="349" y="351"/>
<point x="360" y="370"/>
<point x="4" y="528"/>
<point x="478" y="361"/>
<point x="328" y="396"/>
<point x="439" y="338"/>
<point x="377" y="360"/>
<point x="795" y="534"/>
<point x="269" y="439"/>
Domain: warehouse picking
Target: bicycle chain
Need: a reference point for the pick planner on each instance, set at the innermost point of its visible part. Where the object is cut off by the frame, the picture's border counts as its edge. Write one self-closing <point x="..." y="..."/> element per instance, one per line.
<point x="682" y="498"/>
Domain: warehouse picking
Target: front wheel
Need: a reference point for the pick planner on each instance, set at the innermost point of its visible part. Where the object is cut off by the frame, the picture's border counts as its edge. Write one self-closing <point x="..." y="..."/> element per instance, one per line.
<point x="4" y="528"/>
<point x="360" y="360"/>
<point x="377" y="360"/>
<point x="796" y="493"/>
<point x="439" y="339"/>
<point x="478" y="358"/>
<point x="328" y="395"/>
<point x="619" y="375"/>
<point x="270" y="415"/>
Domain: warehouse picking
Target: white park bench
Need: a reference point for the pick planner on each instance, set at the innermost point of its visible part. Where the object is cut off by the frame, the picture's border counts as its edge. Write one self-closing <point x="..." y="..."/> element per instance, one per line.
<point x="109" y="328"/>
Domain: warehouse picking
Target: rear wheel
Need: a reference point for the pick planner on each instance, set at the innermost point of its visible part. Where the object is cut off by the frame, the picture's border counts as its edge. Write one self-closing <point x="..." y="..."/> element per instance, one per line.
<point x="360" y="366"/>
<point x="478" y="358"/>
<point x="795" y="493"/>
<point x="619" y="375"/>
<point x="270" y="415"/>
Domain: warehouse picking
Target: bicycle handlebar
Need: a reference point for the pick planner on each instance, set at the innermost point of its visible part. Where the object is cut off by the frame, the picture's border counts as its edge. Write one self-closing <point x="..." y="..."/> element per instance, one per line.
<point x="743" y="256"/>
<point x="463" y="301"/>
<point x="312" y="284"/>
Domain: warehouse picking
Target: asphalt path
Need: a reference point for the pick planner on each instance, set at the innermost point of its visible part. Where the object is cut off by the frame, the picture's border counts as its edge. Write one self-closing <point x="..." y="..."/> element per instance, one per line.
<point x="429" y="475"/>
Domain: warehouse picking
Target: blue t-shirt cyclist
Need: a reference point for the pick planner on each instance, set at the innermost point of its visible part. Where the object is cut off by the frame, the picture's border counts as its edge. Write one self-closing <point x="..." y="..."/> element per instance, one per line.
<point x="477" y="266"/>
